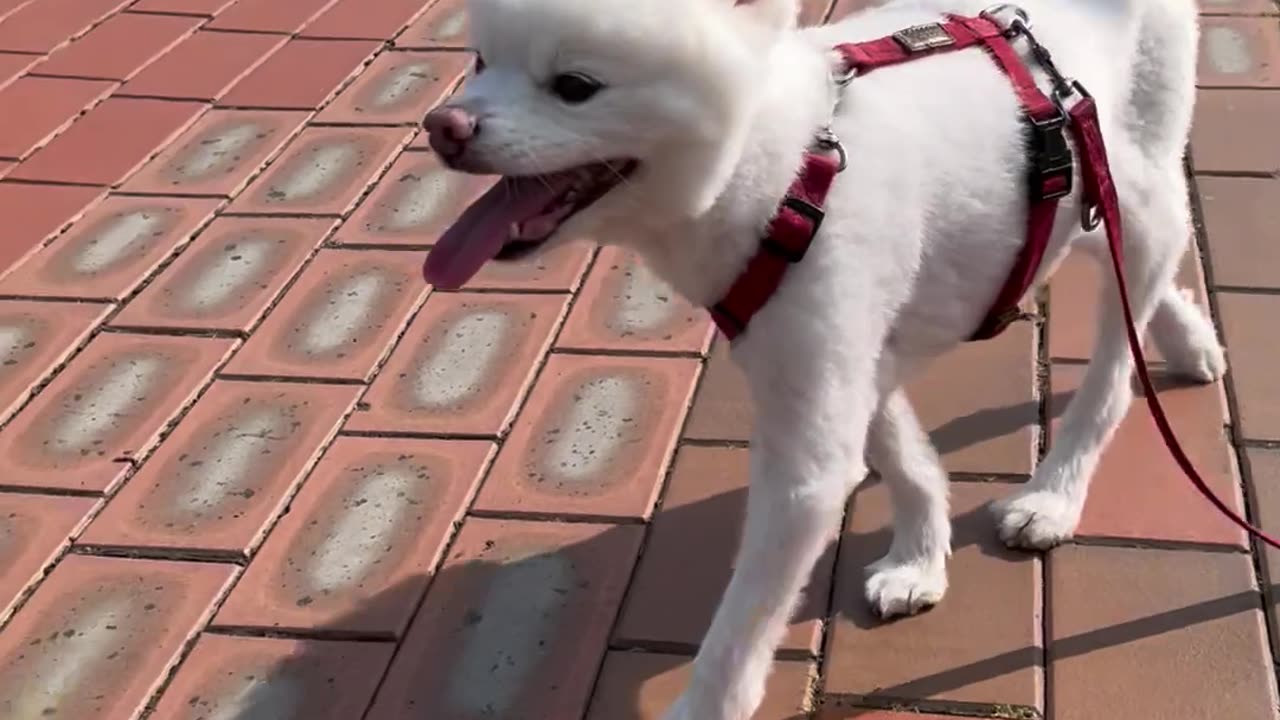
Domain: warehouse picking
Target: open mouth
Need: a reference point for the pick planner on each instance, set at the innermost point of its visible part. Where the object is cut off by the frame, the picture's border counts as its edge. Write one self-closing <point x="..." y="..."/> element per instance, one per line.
<point x="516" y="217"/>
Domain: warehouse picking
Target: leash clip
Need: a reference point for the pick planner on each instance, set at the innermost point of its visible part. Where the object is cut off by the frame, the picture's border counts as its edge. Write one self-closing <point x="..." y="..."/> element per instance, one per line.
<point x="1020" y="22"/>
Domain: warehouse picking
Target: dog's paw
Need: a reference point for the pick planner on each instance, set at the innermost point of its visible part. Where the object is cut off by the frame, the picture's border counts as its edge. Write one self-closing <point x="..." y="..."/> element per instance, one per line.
<point x="1035" y="520"/>
<point x="1204" y="364"/>
<point x="904" y="588"/>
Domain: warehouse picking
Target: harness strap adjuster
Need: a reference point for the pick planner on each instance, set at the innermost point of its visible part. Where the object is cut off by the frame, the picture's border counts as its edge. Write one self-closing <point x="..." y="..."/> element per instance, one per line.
<point x="1051" y="165"/>
<point x="813" y="214"/>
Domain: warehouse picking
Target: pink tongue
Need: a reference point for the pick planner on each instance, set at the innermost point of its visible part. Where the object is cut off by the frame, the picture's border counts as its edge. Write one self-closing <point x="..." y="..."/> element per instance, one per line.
<point x="479" y="234"/>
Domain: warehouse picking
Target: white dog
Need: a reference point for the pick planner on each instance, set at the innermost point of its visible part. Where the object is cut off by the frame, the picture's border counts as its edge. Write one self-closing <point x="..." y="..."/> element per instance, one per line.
<point x="674" y="127"/>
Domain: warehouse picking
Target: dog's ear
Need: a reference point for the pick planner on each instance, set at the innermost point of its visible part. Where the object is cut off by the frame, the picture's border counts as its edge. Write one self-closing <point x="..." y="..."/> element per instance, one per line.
<point x="776" y="15"/>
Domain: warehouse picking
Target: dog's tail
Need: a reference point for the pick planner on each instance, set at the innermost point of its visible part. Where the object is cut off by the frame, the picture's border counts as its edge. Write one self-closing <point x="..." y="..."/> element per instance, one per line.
<point x="1162" y="90"/>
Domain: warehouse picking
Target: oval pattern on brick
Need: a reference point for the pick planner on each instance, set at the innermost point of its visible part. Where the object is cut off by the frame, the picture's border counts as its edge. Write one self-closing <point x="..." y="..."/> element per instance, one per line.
<point x="595" y="425"/>
<point x="338" y="318"/>
<point x="472" y="345"/>
<point x="92" y="413"/>
<point x="419" y="200"/>
<point x="118" y="239"/>
<point x="362" y="534"/>
<point x="226" y="467"/>
<point x="214" y="153"/>
<point x="313" y="173"/>
<point x="1227" y="50"/>
<point x="645" y="302"/>
<point x="509" y="632"/>
<point x="14" y="340"/>
<point x="239" y="264"/>
<point x="400" y="84"/>
<point x="62" y="661"/>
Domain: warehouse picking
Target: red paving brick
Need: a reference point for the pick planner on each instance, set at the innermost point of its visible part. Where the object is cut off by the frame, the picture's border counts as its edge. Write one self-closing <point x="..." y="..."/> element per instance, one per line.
<point x="100" y="634"/>
<point x="964" y="650"/>
<point x="1233" y="132"/>
<point x="443" y="26"/>
<point x="204" y="66"/>
<point x="1239" y="52"/>
<point x="34" y="530"/>
<point x="689" y="556"/>
<point x="225" y="473"/>
<point x="48" y="105"/>
<point x="516" y="619"/>
<point x="361" y="540"/>
<point x="362" y="19"/>
<point x="120" y="134"/>
<point x="230" y="677"/>
<point x="559" y="269"/>
<point x="35" y="338"/>
<point x="111" y="250"/>
<point x="1073" y="303"/>
<point x="463" y="366"/>
<point x="641" y="687"/>
<point x="623" y="306"/>
<point x="1238" y="224"/>
<point x="219" y="154"/>
<point x="229" y="277"/>
<point x="34" y="212"/>
<point x="985" y="425"/>
<point x="1187" y="640"/>
<point x="323" y="172"/>
<point x="593" y="439"/>
<point x="398" y="88"/>
<point x="269" y="15"/>
<point x="202" y="8"/>
<point x="1262" y="470"/>
<point x="104" y="410"/>
<point x="1248" y="325"/>
<point x="302" y="75"/>
<point x="119" y="47"/>
<point x="1138" y="491"/>
<point x="41" y="26"/>
<point x="338" y="320"/>
<point x="413" y="205"/>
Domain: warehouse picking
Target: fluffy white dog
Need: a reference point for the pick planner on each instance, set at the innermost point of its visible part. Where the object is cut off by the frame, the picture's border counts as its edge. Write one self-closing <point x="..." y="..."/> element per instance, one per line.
<point x="674" y="127"/>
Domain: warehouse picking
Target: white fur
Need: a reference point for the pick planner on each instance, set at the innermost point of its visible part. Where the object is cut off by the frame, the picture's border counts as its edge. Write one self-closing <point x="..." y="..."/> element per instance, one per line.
<point x="718" y="102"/>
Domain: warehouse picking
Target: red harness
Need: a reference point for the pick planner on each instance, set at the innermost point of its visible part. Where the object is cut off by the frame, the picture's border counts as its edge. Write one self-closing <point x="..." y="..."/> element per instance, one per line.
<point x="1050" y="166"/>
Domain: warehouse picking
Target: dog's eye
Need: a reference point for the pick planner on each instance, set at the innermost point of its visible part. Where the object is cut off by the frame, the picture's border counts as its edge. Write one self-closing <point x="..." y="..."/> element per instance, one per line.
<point x="575" y="88"/>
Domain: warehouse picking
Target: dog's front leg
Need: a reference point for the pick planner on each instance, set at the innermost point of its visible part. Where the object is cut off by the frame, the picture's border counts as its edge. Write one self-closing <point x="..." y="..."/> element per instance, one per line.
<point x="806" y="455"/>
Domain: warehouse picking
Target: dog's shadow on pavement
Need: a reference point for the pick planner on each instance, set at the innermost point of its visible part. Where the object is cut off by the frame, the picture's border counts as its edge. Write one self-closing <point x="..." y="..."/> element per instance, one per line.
<point x="521" y="640"/>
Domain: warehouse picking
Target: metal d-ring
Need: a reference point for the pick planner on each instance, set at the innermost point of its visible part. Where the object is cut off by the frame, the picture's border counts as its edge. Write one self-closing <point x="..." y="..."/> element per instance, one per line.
<point x="1021" y="21"/>
<point x="827" y="140"/>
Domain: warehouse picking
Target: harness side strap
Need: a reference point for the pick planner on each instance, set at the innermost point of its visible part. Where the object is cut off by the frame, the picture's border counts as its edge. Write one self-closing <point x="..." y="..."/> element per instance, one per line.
<point x="1100" y="192"/>
<point x="787" y="239"/>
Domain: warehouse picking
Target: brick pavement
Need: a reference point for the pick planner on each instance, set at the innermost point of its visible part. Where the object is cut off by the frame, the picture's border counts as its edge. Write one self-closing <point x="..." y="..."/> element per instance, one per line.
<point x="257" y="470"/>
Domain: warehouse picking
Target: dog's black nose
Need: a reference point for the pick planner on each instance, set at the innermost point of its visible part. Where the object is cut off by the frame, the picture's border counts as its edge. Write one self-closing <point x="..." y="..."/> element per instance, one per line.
<point x="449" y="129"/>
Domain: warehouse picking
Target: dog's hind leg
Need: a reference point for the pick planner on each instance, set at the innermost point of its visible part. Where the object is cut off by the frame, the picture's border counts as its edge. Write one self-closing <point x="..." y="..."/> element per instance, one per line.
<point x="1156" y="225"/>
<point x="1186" y="338"/>
<point x="806" y="455"/>
<point x="912" y="575"/>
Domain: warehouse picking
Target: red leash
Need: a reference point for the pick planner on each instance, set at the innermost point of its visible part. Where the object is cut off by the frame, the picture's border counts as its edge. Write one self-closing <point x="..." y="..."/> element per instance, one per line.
<point x="1100" y="193"/>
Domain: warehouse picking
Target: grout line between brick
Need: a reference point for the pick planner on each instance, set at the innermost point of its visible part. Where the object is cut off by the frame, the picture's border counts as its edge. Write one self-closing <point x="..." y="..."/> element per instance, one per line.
<point x="1200" y="244"/>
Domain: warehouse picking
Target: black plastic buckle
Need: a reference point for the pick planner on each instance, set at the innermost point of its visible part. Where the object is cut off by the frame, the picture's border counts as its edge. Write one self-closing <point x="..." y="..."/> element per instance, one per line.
<point x="811" y="213"/>
<point x="1049" y="157"/>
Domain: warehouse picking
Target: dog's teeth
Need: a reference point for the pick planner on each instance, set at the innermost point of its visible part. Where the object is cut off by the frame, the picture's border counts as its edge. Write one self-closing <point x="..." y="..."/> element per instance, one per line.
<point x="515" y="230"/>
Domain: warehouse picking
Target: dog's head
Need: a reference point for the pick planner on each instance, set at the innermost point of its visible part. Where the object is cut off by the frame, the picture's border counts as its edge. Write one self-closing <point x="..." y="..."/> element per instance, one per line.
<point x="597" y="112"/>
